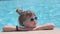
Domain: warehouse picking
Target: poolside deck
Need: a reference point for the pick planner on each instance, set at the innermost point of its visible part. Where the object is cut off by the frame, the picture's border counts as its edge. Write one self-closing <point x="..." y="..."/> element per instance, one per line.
<point x="55" y="31"/>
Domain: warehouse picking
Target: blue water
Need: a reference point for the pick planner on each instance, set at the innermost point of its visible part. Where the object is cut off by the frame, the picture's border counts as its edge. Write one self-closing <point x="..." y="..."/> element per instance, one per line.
<point x="47" y="11"/>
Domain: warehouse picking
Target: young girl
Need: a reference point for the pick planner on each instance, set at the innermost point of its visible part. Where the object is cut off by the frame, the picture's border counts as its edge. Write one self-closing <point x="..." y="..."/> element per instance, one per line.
<point x="28" y="20"/>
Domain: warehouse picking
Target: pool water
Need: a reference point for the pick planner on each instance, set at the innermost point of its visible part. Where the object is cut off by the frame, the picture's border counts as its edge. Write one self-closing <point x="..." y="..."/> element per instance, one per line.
<point x="47" y="11"/>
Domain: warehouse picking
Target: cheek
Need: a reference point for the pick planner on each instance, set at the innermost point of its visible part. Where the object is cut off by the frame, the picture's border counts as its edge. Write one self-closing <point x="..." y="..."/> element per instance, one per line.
<point x="26" y="24"/>
<point x="34" y="22"/>
<point x="29" y="24"/>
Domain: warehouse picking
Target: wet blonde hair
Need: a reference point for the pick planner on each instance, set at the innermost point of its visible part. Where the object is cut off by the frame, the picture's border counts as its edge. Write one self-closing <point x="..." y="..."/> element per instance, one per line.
<point x="23" y="15"/>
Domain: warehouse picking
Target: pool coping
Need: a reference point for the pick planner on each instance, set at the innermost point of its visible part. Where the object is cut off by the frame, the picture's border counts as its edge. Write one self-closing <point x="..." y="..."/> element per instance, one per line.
<point x="55" y="31"/>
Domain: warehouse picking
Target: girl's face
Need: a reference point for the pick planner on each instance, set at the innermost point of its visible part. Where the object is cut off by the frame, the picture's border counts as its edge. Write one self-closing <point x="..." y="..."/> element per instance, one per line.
<point x="30" y="22"/>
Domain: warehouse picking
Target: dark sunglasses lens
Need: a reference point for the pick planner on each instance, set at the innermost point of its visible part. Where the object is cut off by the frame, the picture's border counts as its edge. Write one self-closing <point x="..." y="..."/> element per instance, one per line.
<point x="36" y="18"/>
<point x="32" y="19"/>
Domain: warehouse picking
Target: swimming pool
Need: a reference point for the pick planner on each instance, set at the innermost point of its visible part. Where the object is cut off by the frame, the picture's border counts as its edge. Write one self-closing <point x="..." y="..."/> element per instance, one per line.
<point x="47" y="11"/>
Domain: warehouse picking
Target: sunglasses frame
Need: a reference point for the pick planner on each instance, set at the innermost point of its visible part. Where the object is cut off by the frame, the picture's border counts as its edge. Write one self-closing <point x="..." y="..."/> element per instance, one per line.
<point x="30" y="19"/>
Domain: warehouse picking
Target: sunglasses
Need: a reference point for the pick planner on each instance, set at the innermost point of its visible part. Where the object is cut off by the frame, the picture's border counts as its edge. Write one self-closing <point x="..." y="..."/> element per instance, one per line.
<point x="31" y="19"/>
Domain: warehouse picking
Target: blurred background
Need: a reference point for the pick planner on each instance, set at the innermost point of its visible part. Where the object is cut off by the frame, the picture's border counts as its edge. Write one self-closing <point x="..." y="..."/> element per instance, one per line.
<point x="47" y="11"/>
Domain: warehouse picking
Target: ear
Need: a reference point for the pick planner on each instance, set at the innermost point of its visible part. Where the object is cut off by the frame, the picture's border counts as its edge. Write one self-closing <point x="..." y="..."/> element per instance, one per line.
<point x="19" y="11"/>
<point x="24" y="23"/>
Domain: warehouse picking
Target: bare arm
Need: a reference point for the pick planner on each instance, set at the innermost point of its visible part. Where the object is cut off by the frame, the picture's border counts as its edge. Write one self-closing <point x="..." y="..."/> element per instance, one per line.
<point x="45" y="27"/>
<point x="9" y="28"/>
